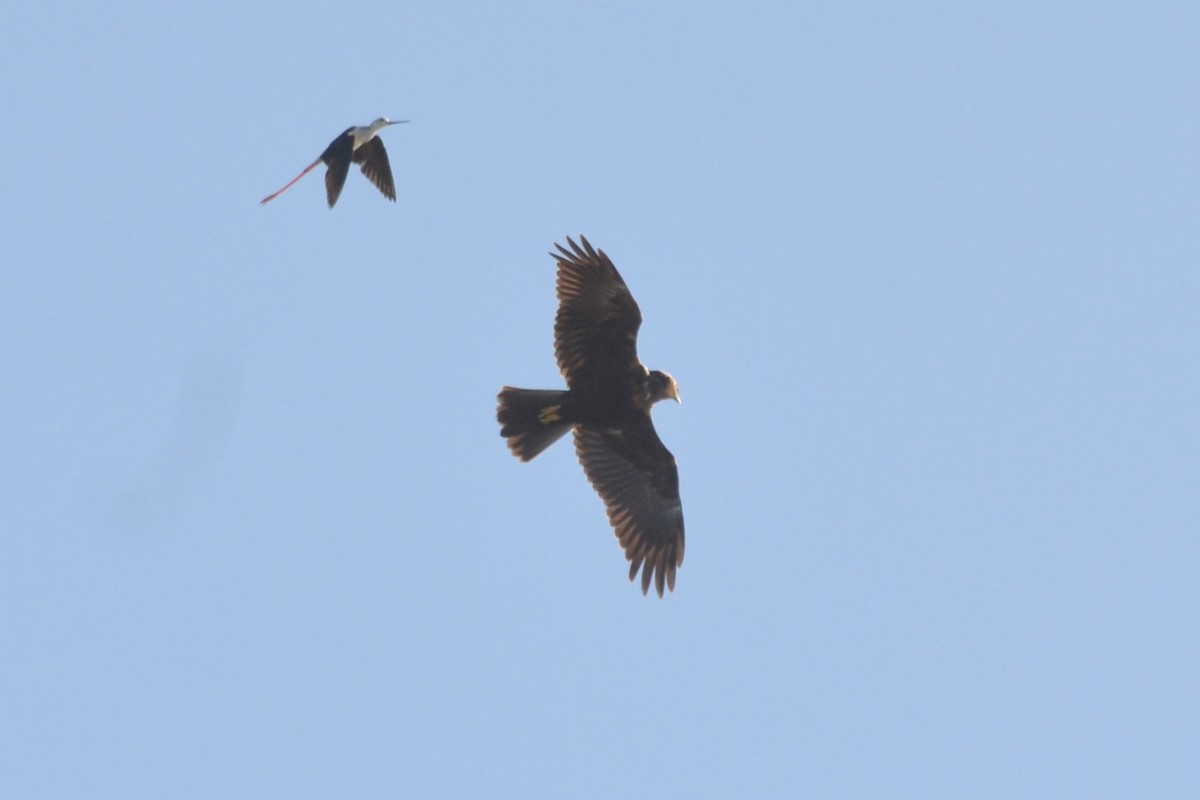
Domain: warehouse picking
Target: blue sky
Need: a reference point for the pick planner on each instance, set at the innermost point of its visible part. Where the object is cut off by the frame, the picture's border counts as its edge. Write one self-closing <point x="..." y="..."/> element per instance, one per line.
<point x="926" y="274"/>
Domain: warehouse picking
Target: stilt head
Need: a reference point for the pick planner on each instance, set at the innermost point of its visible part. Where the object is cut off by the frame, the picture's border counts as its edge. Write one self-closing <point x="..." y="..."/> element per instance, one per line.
<point x="368" y="132"/>
<point x="383" y="122"/>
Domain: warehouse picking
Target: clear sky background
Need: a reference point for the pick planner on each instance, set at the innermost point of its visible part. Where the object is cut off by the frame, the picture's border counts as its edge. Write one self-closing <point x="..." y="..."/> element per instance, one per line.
<point x="927" y="276"/>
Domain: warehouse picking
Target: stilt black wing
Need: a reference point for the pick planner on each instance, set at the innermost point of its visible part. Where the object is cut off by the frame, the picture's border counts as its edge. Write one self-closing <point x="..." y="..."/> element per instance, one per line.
<point x="337" y="160"/>
<point x="374" y="160"/>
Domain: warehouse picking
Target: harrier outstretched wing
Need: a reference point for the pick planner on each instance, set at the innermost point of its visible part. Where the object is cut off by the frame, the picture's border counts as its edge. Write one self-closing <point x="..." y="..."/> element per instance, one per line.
<point x="635" y="475"/>
<point x="595" y="331"/>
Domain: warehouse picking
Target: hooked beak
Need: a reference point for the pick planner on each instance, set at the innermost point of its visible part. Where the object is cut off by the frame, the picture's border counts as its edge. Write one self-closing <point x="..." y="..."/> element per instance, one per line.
<point x="675" y="393"/>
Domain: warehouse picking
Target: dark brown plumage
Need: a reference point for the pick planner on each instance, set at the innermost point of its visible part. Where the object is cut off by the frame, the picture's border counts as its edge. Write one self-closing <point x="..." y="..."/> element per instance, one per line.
<point x="607" y="402"/>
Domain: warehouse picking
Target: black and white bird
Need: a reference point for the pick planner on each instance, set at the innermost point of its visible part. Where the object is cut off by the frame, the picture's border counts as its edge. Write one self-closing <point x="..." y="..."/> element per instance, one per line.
<point x="361" y="145"/>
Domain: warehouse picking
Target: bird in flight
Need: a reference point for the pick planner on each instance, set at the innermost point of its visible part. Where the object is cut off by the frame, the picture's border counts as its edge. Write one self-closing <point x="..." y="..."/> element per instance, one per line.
<point x="607" y="402"/>
<point x="359" y="144"/>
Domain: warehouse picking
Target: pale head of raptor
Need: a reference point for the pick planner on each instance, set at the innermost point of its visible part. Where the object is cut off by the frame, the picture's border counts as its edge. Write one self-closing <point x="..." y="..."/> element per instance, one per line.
<point x="662" y="386"/>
